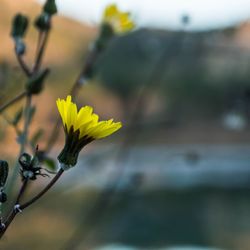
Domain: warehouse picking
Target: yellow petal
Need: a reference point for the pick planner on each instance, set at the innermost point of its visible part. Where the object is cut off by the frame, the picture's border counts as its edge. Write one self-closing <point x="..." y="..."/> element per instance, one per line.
<point x="108" y="131"/>
<point x="85" y="120"/>
<point x="110" y="11"/>
<point x="83" y="116"/>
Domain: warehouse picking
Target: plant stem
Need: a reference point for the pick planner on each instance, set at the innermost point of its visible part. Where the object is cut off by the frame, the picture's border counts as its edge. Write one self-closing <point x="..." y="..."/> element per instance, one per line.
<point x="37" y="64"/>
<point x="23" y="143"/>
<point x="23" y="65"/>
<point x="42" y="41"/>
<point x="22" y="190"/>
<point x="13" y="101"/>
<point x="39" y="57"/>
<point x="38" y="196"/>
<point x="91" y="57"/>
<point x="15" y="211"/>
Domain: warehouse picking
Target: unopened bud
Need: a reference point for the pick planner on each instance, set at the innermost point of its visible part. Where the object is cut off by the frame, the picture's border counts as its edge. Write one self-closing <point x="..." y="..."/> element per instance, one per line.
<point x="42" y="22"/>
<point x="19" y="25"/>
<point x="3" y="197"/>
<point x="4" y="170"/>
<point x="50" y="7"/>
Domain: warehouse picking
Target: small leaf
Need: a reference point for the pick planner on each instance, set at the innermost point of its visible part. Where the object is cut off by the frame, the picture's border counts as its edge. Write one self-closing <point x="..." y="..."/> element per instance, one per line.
<point x="42" y="22"/>
<point x="35" y="138"/>
<point x="50" y="163"/>
<point x="17" y="117"/>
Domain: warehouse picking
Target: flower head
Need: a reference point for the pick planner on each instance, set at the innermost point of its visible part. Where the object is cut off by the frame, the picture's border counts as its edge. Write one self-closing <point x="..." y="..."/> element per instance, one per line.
<point x="81" y="127"/>
<point x="118" y="20"/>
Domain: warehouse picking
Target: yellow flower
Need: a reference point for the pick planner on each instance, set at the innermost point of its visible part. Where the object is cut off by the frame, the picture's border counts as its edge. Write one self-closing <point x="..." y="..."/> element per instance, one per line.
<point x="118" y="20"/>
<point x="81" y="127"/>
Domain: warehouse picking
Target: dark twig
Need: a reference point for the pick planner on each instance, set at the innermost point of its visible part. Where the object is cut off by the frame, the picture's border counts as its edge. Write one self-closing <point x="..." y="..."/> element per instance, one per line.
<point x="38" y="196"/>
<point x="38" y="60"/>
<point x="13" y="101"/>
<point x="23" y="65"/>
<point x="39" y="57"/>
<point x="22" y="190"/>
<point x="20" y="208"/>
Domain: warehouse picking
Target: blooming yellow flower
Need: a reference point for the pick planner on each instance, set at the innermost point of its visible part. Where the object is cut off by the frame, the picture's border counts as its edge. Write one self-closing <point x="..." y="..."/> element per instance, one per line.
<point x="118" y="20"/>
<point x="81" y="127"/>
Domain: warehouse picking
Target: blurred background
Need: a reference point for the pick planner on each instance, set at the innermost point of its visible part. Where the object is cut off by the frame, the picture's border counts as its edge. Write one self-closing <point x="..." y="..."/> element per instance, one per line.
<point x="177" y="176"/>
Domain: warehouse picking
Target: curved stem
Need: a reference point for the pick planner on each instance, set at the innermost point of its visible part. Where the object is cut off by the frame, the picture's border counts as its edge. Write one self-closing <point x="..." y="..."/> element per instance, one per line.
<point x="23" y="65"/>
<point x="15" y="211"/>
<point x="38" y="196"/>
<point x="13" y="101"/>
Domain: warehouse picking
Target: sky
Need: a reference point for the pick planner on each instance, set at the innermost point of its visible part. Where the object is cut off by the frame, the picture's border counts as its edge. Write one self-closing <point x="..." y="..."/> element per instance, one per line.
<point x="204" y="14"/>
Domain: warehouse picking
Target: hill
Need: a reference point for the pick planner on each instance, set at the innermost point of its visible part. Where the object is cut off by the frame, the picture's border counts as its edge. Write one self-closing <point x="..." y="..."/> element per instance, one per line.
<point x="63" y="39"/>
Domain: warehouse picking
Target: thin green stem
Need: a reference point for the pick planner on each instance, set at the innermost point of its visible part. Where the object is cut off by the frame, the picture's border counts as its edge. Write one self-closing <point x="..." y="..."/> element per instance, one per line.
<point x="23" y="143"/>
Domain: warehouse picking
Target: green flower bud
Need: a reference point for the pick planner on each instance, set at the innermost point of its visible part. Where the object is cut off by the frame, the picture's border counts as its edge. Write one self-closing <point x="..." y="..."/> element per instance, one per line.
<point x="3" y="197"/>
<point x="19" y="25"/>
<point x="50" y="7"/>
<point x="42" y="22"/>
<point x="35" y="83"/>
<point x="73" y="145"/>
<point x="4" y="170"/>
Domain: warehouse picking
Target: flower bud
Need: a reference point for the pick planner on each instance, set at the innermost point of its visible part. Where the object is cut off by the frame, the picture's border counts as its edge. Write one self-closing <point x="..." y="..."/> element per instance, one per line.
<point x="50" y="7"/>
<point x="19" y="26"/>
<point x="42" y="22"/>
<point x="3" y="197"/>
<point x="4" y="170"/>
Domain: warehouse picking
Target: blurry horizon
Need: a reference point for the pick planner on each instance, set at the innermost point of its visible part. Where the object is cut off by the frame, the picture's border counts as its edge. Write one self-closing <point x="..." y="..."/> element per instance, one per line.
<point x="204" y="15"/>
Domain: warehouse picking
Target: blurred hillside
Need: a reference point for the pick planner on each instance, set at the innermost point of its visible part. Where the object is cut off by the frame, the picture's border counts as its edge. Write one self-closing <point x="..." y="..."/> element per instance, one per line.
<point x="67" y="46"/>
<point x="199" y="73"/>
<point x="191" y="82"/>
<point x="68" y="38"/>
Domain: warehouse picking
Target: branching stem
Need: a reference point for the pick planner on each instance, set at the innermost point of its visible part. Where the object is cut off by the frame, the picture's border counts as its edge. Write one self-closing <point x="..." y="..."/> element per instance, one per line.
<point x="15" y="211"/>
